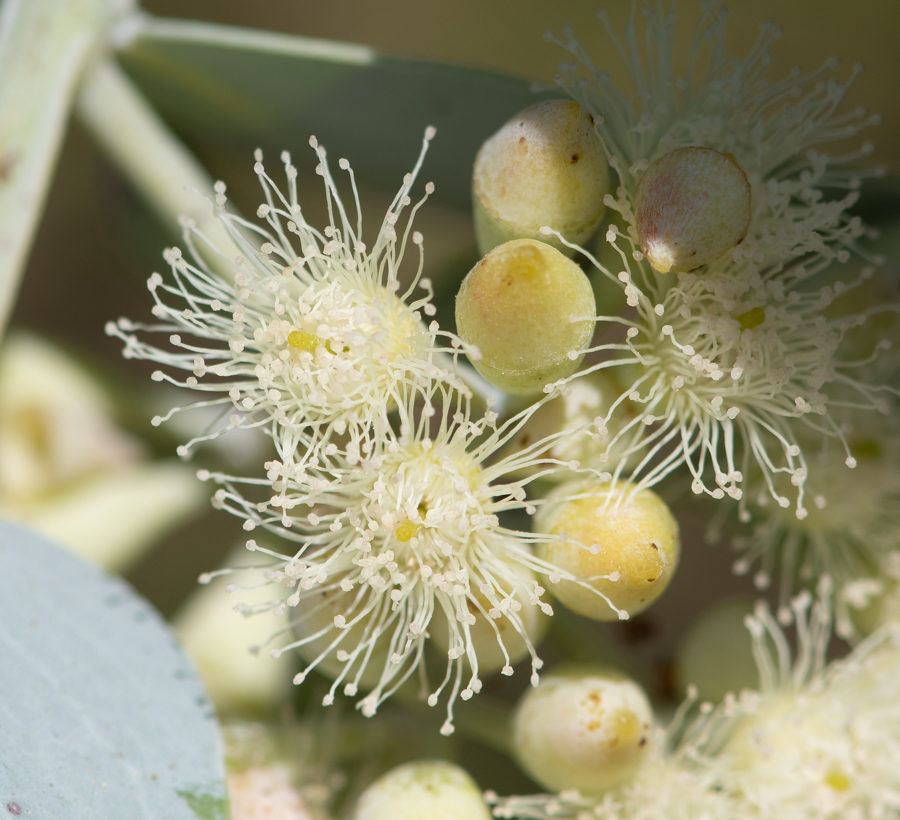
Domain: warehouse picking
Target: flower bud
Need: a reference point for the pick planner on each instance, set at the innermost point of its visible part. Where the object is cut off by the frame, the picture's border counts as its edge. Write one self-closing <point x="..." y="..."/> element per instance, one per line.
<point x="716" y="654"/>
<point x="262" y="792"/>
<point x="425" y="789"/>
<point x="583" y="729"/>
<point x="546" y="166"/>
<point x="487" y="633"/>
<point x="618" y="542"/>
<point x="583" y="407"/>
<point x="529" y="312"/>
<point x="219" y="641"/>
<point x="693" y="205"/>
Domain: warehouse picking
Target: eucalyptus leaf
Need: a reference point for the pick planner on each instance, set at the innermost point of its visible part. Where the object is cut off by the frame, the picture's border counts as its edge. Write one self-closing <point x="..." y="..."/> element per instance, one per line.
<point x="102" y="715"/>
<point x="230" y="89"/>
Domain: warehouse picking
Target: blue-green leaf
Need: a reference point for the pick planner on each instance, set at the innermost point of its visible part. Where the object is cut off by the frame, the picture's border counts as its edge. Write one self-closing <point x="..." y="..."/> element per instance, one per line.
<point x="101" y="714"/>
<point x="228" y="89"/>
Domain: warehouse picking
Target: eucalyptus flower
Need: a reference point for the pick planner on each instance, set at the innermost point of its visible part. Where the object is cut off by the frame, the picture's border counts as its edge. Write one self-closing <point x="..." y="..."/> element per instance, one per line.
<point x="823" y="739"/>
<point x="404" y="538"/>
<point x="726" y="365"/>
<point x="69" y="471"/>
<point x="818" y="741"/>
<point x="851" y="531"/>
<point x="680" y="778"/>
<point x="311" y="337"/>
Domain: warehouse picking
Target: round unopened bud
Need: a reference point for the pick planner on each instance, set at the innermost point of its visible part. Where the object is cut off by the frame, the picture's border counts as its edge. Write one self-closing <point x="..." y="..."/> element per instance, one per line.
<point x="545" y="167"/>
<point x="620" y="543"/>
<point x="218" y="639"/>
<point x="430" y="789"/>
<point x="583" y="729"/>
<point x="582" y="408"/>
<point x="263" y="792"/>
<point x="693" y="205"/>
<point x="490" y="635"/>
<point x="716" y="654"/>
<point x="529" y="311"/>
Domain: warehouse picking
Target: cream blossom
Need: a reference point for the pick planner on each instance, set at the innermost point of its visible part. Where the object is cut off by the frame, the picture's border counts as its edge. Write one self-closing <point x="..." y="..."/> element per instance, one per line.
<point x="69" y="471"/>
<point x="851" y="532"/>
<point x="818" y="741"/>
<point x="823" y="739"/>
<point x="311" y="338"/>
<point x="680" y="779"/>
<point x="727" y="368"/>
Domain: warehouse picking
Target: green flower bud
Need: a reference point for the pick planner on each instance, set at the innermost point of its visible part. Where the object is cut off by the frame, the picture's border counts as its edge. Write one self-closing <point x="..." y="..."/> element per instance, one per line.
<point x="716" y="655"/>
<point x="426" y="789"/>
<point x="585" y="729"/>
<point x="546" y="166"/>
<point x="693" y="205"/>
<point x="529" y="312"/>
<point x="620" y="543"/>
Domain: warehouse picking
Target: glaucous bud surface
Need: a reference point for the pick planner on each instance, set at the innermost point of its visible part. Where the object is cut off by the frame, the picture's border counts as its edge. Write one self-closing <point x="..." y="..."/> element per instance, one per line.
<point x="693" y="206"/>
<point x="431" y="789"/>
<point x="583" y="729"/>
<point x="546" y="166"/>
<point x="621" y="543"/>
<point x="529" y="311"/>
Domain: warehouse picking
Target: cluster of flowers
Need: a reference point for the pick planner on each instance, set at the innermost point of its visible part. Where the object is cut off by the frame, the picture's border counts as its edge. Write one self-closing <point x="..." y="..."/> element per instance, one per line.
<point x="742" y="362"/>
<point x="385" y="483"/>
<point x="761" y="368"/>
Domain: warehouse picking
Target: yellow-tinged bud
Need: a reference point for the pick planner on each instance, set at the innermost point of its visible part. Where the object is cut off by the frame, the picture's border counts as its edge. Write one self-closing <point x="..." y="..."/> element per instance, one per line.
<point x="529" y="312"/>
<point x="487" y="632"/>
<point x="583" y="729"/>
<point x="693" y="205"/>
<point x="546" y="166"/>
<point x="617" y="542"/>
<point x="430" y="789"/>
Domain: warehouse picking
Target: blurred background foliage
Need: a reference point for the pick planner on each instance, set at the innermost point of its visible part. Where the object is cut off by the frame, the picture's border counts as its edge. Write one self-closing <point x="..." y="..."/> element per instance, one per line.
<point x="98" y="241"/>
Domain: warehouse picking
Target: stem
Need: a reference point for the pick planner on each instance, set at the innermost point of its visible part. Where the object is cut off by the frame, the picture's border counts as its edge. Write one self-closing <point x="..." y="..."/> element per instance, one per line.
<point x="147" y="152"/>
<point x="44" y="46"/>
